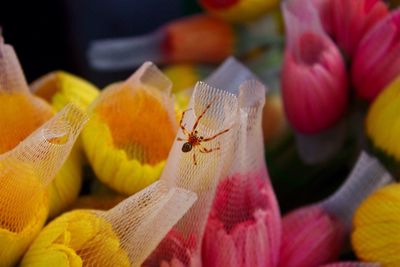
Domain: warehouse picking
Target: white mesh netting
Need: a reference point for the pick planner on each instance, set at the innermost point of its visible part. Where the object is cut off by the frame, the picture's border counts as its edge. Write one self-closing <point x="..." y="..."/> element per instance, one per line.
<point x="244" y="224"/>
<point x="122" y="236"/>
<point x="197" y="167"/>
<point x="25" y="173"/>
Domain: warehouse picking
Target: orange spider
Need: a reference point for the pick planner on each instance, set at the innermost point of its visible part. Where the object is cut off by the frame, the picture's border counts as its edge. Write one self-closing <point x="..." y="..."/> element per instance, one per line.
<point x="193" y="140"/>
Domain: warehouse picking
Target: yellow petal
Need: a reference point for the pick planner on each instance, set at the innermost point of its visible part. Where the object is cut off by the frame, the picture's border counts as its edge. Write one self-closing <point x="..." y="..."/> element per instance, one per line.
<point x="376" y="233"/>
<point x="90" y="241"/>
<point x="65" y="188"/>
<point x="20" y="115"/>
<point x="383" y="121"/>
<point x="60" y="88"/>
<point x="131" y="131"/>
<point x="183" y="76"/>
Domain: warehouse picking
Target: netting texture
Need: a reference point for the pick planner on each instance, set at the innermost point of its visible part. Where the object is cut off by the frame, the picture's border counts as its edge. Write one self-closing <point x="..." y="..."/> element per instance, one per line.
<point x="244" y="224"/>
<point x="131" y="130"/>
<point x="122" y="236"/>
<point x="211" y="118"/>
<point x="11" y="75"/>
<point x="367" y="175"/>
<point x="25" y="173"/>
<point x="21" y="113"/>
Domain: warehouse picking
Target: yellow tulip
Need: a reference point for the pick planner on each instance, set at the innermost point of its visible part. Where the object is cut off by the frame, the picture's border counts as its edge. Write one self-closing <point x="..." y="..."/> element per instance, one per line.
<point x="74" y="239"/>
<point x="131" y="130"/>
<point x="122" y="236"/>
<point x="185" y="76"/>
<point x="383" y="121"/>
<point x="25" y="172"/>
<point x="376" y="230"/>
<point x="59" y="88"/>
<point x="22" y="113"/>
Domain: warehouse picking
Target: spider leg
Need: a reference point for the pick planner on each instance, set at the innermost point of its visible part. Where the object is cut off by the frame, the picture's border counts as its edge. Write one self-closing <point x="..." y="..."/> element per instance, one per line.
<point x="208" y="150"/>
<point x="180" y="139"/>
<point x="201" y="115"/>
<point x="215" y="136"/>
<point x="194" y="158"/>
<point x="184" y="130"/>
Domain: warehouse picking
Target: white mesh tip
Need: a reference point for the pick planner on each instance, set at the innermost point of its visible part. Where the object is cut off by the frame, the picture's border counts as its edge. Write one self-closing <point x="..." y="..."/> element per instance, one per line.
<point x="150" y="74"/>
<point x="300" y="16"/>
<point x="11" y="74"/>
<point x="251" y="94"/>
<point x="230" y="75"/>
<point x="367" y="176"/>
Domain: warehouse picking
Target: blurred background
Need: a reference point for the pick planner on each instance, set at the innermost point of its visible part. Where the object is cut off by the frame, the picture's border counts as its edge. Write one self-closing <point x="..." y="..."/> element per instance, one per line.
<point x="55" y="35"/>
<point x="50" y="35"/>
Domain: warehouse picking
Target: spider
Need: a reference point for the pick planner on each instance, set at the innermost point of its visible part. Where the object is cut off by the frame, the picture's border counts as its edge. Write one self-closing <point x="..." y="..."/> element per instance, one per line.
<point x="194" y="140"/>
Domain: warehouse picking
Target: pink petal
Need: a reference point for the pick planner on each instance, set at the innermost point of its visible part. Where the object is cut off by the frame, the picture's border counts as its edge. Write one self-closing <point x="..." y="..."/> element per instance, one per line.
<point x="310" y="237"/>
<point x="348" y="21"/>
<point x="247" y="245"/>
<point x="376" y="61"/>
<point x="244" y="225"/>
<point x="314" y="81"/>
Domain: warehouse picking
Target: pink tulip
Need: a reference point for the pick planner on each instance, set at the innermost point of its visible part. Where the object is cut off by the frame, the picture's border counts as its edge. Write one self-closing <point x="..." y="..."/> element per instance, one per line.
<point x="377" y="59"/>
<point x="351" y="264"/>
<point x="314" y="82"/>
<point x="310" y="236"/>
<point x="348" y="21"/>
<point x="315" y="234"/>
<point x="244" y="245"/>
<point x="243" y="227"/>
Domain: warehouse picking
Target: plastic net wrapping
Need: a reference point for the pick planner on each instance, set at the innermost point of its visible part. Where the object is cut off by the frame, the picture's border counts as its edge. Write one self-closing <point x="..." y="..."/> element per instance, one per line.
<point x="375" y="233"/>
<point x="244" y="224"/>
<point x="122" y="236"/>
<point x="131" y="130"/>
<point x="12" y="78"/>
<point x="65" y="187"/>
<point x="22" y="113"/>
<point x="58" y="89"/>
<point x="25" y="173"/>
<point x="315" y="234"/>
<point x="367" y="176"/>
<point x="211" y="112"/>
<point x="228" y="76"/>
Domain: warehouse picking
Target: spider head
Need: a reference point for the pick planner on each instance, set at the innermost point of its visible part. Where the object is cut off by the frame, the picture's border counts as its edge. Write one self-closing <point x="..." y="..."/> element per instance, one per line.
<point x="187" y="147"/>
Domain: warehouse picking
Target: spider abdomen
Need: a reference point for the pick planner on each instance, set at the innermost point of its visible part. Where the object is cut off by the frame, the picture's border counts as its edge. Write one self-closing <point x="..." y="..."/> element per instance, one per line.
<point x="187" y="147"/>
